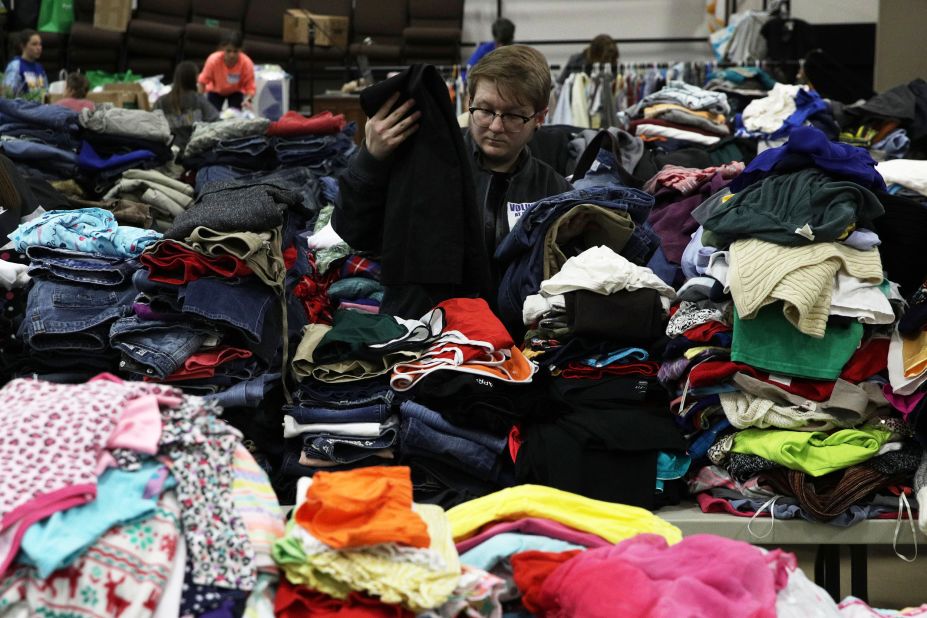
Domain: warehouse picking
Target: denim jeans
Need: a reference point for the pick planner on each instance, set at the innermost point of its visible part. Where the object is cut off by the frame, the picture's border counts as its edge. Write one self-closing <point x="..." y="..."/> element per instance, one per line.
<point x="253" y="145"/>
<point x="161" y="347"/>
<point x="247" y="394"/>
<point x="243" y="303"/>
<point x="80" y="267"/>
<point x="50" y="159"/>
<point x="410" y="409"/>
<point x="68" y="316"/>
<point x="320" y="394"/>
<point x="345" y="449"/>
<point x="49" y="116"/>
<point x="420" y="440"/>
<point x="38" y="134"/>
<point x="370" y="413"/>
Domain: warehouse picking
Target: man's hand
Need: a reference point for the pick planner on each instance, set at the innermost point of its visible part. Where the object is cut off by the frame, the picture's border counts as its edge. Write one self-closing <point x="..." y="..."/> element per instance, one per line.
<point x="385" y="130"/>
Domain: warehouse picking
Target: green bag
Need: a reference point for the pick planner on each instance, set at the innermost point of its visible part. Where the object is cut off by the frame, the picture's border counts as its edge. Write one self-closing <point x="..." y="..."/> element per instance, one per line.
<point x="98" y="78"/>
<point x="56" y="15"/>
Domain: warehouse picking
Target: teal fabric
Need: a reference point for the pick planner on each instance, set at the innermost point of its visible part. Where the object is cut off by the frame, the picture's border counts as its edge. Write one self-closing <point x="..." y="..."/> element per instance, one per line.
<point x="351" y="288"/>
<point x="501" y="547"/>
<point x="771" y="343"/>
<point x="57" y="541"/>
<point x="671" y="466"/>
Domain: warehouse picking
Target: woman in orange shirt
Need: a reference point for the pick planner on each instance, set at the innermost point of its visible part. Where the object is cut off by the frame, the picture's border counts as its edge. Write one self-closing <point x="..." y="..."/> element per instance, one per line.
<point x="228" y="74"/>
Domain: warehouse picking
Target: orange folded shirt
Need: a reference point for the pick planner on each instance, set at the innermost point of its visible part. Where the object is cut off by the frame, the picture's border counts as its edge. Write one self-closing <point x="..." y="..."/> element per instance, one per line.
<point x="366" y="506"/>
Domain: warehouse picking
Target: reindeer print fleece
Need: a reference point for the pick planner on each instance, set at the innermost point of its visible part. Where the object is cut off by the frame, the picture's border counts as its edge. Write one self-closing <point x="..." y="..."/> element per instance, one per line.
<point x="121" y="576"/>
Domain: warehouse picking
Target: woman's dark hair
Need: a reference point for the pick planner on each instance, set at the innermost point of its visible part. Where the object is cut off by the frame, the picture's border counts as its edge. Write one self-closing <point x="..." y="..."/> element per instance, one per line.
<point x="602" y="49"/>
<point x="503" y="31"/>
<point x="184" y="81"/>
<point x="23" y="39"/>
<point x="230" y="38"/>
<point x="78" y="85"/>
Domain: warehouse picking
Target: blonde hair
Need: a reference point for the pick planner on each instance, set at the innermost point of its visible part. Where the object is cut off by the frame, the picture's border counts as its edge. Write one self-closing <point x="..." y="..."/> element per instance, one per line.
<point x="520" y="74"/>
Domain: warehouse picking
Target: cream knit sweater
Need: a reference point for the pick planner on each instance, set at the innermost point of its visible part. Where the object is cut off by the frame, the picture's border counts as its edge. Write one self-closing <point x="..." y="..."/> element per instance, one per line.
<point x="802" y="277"/>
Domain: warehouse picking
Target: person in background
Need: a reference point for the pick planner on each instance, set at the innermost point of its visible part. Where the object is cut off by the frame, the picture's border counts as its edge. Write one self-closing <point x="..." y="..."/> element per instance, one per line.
<point x="503" y="33"/>
<point x="24" y="76"/>
<point x="601" y="49"/>
<point x="228" y="75"/>
<point x="184" y="104"/>
<point x="508" y="91"/>
<point x="75" y="93"/>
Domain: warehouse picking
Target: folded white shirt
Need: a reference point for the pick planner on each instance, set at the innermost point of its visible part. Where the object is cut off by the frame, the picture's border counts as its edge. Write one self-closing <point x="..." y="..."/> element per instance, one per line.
<point x="293" y="429"/>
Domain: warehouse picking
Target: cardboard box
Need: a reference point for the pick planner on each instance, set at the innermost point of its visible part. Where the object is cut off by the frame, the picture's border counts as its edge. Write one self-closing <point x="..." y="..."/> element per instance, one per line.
<point x="132" y="95"/>
<point x="330" y="30"/>
<point x="112" y="14"/>
<point x="116" y="98"/>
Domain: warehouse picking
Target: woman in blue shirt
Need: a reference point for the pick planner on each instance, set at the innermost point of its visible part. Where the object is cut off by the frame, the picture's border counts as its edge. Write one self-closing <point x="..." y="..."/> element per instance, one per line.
<point x="24" y="76"/>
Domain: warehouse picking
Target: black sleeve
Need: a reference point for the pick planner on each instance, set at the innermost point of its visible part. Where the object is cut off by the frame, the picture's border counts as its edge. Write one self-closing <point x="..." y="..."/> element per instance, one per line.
<point x="359" y="213"/>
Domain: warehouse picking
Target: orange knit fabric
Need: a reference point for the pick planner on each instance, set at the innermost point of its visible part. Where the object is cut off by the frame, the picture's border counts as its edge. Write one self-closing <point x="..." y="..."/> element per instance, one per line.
<point x="366" y="506"/>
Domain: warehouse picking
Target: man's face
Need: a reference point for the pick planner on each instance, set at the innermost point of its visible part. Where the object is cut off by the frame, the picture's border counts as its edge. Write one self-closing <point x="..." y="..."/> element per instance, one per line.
<point x="501" y="147"/>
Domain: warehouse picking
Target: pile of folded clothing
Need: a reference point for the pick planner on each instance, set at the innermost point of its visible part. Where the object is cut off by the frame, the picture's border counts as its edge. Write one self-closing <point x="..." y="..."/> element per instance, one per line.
<point x="343" y="415"/>
<point x="165" y="197"/>
<point x="81" y="263"/>
<point x="455" y="430"/>
<point x="115" y="140"/>
<point x="596" y="328"/>
<point x="232" y="143"/>
<point x="213" y="310"/>
<point x="356" y="542"/>
<point x="323" y="142"/>
<point x="41" y="139"/>
<point x="786" y="333"/>
<point x="682" y="112"/>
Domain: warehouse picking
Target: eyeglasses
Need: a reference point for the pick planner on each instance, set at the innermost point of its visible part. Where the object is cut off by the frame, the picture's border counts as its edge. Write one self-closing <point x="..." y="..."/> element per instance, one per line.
<point x="512" y="123"/>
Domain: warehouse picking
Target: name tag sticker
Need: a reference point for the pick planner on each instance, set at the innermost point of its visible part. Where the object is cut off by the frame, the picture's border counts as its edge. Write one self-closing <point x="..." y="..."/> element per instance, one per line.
<point x="515" y="210"/>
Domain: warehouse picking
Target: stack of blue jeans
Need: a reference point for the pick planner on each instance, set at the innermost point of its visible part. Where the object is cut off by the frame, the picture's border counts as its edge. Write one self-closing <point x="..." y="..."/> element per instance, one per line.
<point x="40" y="139"/>
<point x="323" y="154"/>
<point x="366" y="409"/>
<point x="74" y="299"/>
<point x="450" y="464"/>
<point x="250" y="153"/>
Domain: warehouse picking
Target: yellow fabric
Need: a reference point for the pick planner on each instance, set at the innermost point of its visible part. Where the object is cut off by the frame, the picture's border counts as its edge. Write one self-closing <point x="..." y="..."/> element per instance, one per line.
<point x="914" y="355"/>
<point x="613" y="522"/>
<point x="802" y="277"/>
<point x="392" y="578"/>
<point x="693" y="352"/>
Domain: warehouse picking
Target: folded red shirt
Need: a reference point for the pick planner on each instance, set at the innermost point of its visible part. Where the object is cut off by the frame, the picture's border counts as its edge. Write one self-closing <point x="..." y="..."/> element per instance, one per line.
<point x="174" y="263"/>
<point x="293" y="123"/>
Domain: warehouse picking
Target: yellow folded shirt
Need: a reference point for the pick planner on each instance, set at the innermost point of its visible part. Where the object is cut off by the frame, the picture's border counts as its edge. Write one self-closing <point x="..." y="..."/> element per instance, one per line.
<point x="613" y="522"/>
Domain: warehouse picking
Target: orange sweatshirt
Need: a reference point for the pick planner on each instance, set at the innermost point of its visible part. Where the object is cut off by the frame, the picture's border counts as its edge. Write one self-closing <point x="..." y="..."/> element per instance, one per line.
<point x="224" y="80"/>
